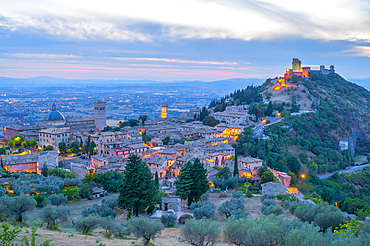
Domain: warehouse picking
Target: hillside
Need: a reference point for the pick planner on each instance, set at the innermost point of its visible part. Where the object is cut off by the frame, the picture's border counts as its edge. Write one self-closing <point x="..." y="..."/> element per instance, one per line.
<point x="340" y="112"/>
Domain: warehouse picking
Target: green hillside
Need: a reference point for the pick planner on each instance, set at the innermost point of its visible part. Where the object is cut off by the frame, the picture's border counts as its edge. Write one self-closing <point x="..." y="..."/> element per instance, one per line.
<point x="341" y="113"/>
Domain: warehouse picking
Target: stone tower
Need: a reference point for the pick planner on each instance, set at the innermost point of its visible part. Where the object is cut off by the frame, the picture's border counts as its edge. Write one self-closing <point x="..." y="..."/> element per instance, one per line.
<point x="296" y="65"/>
<point x="164" y="111"/>
<point x="332" y="69"/>
<point x="100" y="115"/>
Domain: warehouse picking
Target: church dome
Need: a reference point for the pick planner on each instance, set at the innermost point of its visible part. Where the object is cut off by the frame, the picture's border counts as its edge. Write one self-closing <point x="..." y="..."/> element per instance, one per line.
<point x="54" y="116"/>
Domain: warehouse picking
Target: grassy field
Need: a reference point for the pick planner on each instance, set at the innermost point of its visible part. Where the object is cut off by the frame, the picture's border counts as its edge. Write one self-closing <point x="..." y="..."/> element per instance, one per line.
<point x="169" y="236"/>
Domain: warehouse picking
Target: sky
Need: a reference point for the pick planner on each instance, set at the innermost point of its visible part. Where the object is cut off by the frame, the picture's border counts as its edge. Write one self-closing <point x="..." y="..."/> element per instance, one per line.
<point x="169" y="40"/>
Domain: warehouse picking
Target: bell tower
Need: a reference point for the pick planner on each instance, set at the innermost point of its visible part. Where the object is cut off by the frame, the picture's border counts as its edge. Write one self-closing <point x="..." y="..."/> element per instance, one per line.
<point x="100" y="115"/>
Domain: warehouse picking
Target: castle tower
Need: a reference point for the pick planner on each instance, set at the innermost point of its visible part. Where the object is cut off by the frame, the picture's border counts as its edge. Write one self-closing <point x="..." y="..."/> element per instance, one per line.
<point x="100" y="115"/>
<point x="164" y="111"/>
<point x="332" y="69"/>
<point x="296" y="65"/>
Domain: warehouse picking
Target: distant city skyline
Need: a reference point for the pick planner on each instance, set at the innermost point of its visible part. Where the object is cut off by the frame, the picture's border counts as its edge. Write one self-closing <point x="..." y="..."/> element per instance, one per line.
<point x="168" y="40"/>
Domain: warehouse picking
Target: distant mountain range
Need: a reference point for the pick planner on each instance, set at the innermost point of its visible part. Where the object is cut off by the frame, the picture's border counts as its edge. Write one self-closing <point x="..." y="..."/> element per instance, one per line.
<point x="45" y="81"/>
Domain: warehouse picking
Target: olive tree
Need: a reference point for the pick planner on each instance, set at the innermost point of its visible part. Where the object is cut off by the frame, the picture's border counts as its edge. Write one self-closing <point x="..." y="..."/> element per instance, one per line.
<point x="108" y="224"/>
<point x="229" y="207"/>
<point x="144" y="227"/>
<point x="57" y="199"/>
<point x="51" y="214"/>
<point x="323" y="215"/>
<point x="203" y="210"/>
<point x="260" y="231"/>
<point x="307" y="235"/>
<point x="17" y="206"/>
<point x="234" y="231"/>
<point x="87" y="224"/>
<point x="200" y="232"/>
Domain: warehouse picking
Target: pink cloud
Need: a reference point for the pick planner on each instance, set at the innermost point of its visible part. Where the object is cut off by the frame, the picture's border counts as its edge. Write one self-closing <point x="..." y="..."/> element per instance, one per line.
<point x="132" y="69"/>
<point x="218" y="73"/>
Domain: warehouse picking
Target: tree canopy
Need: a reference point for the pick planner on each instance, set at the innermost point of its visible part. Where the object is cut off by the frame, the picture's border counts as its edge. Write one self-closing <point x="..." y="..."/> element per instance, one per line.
<point x="138" y="190"/>
<point x="192" y="182"/>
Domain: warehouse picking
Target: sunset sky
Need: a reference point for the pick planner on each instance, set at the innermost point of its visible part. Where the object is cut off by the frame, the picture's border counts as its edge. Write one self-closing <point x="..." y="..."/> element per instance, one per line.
<point x="169" y="40"/>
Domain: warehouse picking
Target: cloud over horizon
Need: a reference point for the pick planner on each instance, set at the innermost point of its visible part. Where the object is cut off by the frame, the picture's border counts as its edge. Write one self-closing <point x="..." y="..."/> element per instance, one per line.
<point x="146" y="20"/>
<point x="173" y="39"/>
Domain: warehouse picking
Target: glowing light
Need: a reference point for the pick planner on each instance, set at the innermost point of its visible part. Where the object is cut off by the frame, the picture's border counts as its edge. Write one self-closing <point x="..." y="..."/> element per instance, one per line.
<point x="9" y="191"/>
<point x="303" y="176"/>
<point x="280" y="84"/>
<point x="279" y="115"/>
<point x="164" y="111"/>
<point x="231" y="132"/>
<point x="209" y="160"/>
<point x="264" y="121"/>
<point x="229" y="156"/>
<point x="293" y="190"/>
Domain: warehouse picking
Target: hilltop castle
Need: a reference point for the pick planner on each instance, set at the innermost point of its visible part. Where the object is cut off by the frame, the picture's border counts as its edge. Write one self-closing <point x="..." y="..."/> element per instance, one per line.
<point x="298" y="70"/>
<point x="304" y="72"/>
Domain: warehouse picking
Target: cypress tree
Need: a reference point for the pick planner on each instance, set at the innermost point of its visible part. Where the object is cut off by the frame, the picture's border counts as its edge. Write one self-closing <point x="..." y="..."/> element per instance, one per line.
<point x="192" y="182"/>
<point x="156" y="179"/>
<point x="87" y="146"/>
<point x="138" y="190"/>
<point x="236" y="166"/>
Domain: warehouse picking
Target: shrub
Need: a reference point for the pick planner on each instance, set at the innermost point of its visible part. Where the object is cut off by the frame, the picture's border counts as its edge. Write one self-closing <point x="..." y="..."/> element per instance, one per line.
<point x="39" y="201"/>
<point x="168" y="220"/>
<point x="204" y="197"/>
<point x="287" y="203"/>
<point x="249" y="194"/>
<point x="239" y="214"/>
<point x="72" y="193"/>
<point x="275" y="209"/>
<point x="8" y="236"/>
<point x="237" y="194"/>
<point x="268" y="202"/>
<point x="284" y="197"/>
<point x="267" y="196"/>
<point x="87" y="224"/>
<point x="293" y="206"/>
<point x="72" y="182"/>
<point x="200" y="232"/>
<point x="50" y="215"/>
<point x="85" y="191"/>
<point x="57" y="199"/>
<point x="201" y="210"/>
<point x="2" y="191"/>
<point x="144" y="227"/>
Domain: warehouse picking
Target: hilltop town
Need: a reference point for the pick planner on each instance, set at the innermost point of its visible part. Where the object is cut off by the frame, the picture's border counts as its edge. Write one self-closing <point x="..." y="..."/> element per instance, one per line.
<point x="257" y="146"/>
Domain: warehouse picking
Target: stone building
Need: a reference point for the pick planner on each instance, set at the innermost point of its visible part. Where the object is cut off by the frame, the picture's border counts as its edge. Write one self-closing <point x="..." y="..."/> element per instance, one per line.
<point x="53" y="136"/>
<point x="30" y="163"/>
<point x="171" y="202"/>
